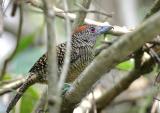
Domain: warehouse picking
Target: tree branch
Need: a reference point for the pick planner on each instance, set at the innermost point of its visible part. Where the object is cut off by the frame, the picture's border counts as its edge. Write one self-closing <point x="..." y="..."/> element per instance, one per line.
<point x="53" y="96"/>
<point x="123" y="84"/>
<point x="68" y="50"/>
<point x="2" y="72"/>
<point x="154" y="9"/>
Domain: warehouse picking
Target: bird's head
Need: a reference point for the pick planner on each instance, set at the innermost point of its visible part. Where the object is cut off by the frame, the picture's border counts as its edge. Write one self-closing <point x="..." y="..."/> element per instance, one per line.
<point x="88" y="33"/>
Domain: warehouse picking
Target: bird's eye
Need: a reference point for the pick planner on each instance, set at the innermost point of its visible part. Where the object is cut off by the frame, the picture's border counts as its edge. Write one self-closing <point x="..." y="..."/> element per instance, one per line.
<point x="93" y="29"/>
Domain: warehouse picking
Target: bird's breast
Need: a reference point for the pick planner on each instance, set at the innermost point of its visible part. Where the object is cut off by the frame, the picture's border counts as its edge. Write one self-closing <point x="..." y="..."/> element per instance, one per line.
<point x="83" y="60"/>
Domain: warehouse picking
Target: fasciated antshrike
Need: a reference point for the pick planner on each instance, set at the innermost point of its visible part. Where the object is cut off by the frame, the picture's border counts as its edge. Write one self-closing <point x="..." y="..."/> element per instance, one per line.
<point x="82" y="53"/>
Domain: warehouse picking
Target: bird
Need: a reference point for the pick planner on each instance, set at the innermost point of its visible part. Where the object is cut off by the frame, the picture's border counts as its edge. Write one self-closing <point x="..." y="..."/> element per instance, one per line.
<point x="83" y="40"/>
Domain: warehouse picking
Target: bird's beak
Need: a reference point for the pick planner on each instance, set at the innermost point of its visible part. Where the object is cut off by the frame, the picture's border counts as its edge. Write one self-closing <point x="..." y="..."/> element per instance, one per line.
<point x="104" y="29"/>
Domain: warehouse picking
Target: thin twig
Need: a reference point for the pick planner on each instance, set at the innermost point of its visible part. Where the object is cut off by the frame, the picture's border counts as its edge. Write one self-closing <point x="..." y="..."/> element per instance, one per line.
<point x="88" y="11"/>
<point x="153" y="54"/>
<point x="1" y="17"/>
<point x="12" y="85"/>
<point x="41" y="104"/>
<point x="53" y="96"/>
<point x="82" y="9"/>
<point x="68" y="49"/>
<point x="93" y="11"/>
<point x="14" y="7"/>
<point x="118" y="31"/>
<point x="2" y="72"/>
<point x="75" y="11"/>
<point x="9" y="86"/>
<point x="155" y="41"/>
<point x="94" y="106"/>
<point x="155" y="106"/>
<point x="35" y="3"/>
<point x="156" y="99"/>
<point x="8" y="6"/>
<point x="81" y="15"/>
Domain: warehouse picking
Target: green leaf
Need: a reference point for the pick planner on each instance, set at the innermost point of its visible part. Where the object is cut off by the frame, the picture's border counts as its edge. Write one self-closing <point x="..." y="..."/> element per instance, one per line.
<point x="127" y="65"/>
<point x="25" y="42"/>
<point x="7" y="76"/>
<point x="28" y="100"/>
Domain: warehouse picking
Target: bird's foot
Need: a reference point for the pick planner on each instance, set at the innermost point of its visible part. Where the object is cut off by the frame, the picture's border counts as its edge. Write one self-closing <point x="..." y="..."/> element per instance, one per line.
<point x="66" y="87"/>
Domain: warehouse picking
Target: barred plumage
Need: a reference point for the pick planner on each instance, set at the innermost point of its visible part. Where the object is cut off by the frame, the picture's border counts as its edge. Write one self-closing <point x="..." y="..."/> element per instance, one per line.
<point x="83" y="41"/>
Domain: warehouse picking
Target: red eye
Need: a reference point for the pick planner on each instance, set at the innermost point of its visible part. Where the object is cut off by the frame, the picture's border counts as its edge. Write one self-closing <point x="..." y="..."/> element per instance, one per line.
<point x="93" y="29"/>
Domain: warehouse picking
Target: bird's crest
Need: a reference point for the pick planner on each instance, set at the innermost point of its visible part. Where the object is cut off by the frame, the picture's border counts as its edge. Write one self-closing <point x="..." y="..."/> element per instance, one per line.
<point x="81" y="28"/>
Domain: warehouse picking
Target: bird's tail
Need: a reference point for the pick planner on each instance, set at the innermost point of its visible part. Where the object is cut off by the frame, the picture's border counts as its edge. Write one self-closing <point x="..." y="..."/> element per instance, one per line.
<point x="32" y="79"/>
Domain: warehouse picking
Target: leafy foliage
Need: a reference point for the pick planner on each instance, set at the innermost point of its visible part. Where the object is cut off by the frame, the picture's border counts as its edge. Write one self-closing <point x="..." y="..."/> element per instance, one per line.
<point x="127" y="65"/>
<point x="24" y="61"/>
<point x="25" y="42"/>
<point x="28" y="101"/>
